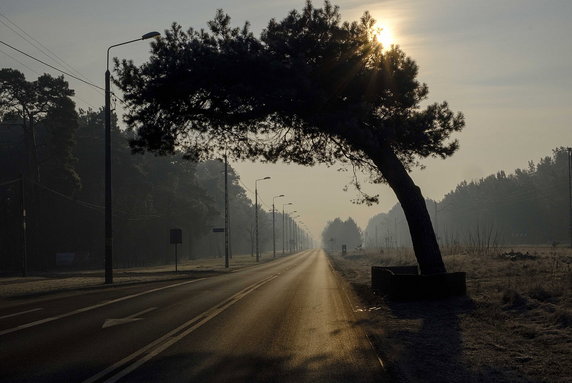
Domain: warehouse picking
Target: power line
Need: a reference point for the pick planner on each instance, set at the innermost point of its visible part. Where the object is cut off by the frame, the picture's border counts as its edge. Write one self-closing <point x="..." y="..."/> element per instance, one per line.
<point x="19" y="62"/>
<point x="85" y="102"/>
<point x="10" y="182"/>
<point x="32" y="70"/>
<point x="251" y="192"/>
<point x="56" y="59"/>
<point x="51" y="66"/>
<point x="51" y="55"/>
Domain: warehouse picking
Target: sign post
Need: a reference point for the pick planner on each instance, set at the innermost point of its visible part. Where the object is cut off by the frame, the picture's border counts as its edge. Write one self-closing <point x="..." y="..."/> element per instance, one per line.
<point x="176" y="237"/>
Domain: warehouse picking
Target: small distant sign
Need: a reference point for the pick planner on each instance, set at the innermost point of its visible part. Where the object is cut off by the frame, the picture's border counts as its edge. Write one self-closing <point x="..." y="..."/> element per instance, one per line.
<point x="176" y="236"/>
<point x="218" y="230"/>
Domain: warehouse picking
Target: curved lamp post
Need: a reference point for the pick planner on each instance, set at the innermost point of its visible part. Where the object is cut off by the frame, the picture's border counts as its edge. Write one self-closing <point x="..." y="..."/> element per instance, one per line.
<point x="290" y="230"/>
<point x="294" y="232"/>
<point x="284" y="226"/>
<point x="273" y="226"/>
<point x="256" y="213"/>
<point x="108" y="207"/>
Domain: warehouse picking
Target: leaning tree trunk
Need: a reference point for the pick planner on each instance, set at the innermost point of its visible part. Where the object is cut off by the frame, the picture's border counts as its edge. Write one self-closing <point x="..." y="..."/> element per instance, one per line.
<point x="409" y="195"/>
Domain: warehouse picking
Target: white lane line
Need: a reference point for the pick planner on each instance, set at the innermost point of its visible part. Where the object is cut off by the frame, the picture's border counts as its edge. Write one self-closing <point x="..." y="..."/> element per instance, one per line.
<point x="20" y="313"/>
<point x="84" y="309"/>
<point x="142" y="312"/>
<point x="139" y="357"/>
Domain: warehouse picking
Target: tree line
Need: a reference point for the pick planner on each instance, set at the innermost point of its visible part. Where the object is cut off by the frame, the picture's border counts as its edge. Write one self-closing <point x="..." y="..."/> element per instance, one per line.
<point x="529" y="206"/>
<point x="337" y="233"/>
<point x="52" y="160"/>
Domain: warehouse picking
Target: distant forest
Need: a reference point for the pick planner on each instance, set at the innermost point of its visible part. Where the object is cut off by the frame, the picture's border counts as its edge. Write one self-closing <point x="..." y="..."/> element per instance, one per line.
<point x="58" y="152"/>
<point x="530" y="206"/>
<point x="338" y="233"/>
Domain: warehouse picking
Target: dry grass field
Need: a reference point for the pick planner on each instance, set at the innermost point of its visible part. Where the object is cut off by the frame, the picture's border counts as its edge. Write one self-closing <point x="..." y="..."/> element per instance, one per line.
<point x="514" y="326"/>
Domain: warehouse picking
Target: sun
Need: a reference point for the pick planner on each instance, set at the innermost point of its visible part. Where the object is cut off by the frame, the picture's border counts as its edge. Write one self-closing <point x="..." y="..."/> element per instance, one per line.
<point x="384" y="35"/>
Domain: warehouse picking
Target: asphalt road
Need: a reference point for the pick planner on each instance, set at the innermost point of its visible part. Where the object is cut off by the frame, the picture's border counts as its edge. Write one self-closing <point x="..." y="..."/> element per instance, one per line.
<point x="289" y="320"/>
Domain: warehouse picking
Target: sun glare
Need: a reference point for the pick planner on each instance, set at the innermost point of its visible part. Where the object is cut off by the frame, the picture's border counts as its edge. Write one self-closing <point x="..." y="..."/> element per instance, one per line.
<point x="384" y="36"/>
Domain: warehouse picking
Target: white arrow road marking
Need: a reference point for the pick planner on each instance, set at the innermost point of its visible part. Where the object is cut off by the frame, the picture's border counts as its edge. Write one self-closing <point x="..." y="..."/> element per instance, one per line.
<point x="139" y="357"/>
<point x="21" y="313"/>
<point x="82" y="310"/>
<point x="129" y="319"/>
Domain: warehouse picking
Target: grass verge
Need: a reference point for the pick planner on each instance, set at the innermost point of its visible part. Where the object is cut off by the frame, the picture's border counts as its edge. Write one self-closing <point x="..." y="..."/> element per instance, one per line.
<point x="514" y="326"/>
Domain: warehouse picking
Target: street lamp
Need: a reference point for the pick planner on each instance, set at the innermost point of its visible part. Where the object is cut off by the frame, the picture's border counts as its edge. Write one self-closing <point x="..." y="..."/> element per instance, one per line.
<point x="273" y="226"/>
<point x="293" y="232"/>
<point x="283" y="225"/>
<point x="298" y="238"/>
<point x="108" y="208"/>
<point x="256" y="213"/>
<point x="290" y="226"/>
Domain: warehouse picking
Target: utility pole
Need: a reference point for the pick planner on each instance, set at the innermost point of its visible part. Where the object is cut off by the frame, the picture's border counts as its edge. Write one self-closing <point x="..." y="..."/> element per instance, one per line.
<point x="273" y="231"/>
<point x="108" y="188"/>
<point x="436" y="222"/>
<point x="570" y="191"/>
<point x="24" y="241"/>
<point x="226" y="222"/>
<point x="256" y="221"/>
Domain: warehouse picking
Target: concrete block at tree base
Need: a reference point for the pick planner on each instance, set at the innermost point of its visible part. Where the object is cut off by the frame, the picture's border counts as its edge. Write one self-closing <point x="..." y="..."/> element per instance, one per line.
<point x="405" y="283"/>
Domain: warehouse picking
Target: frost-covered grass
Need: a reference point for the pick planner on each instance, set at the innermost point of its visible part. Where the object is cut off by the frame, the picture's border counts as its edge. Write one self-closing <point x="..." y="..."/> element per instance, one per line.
<point x="515" y="326"/>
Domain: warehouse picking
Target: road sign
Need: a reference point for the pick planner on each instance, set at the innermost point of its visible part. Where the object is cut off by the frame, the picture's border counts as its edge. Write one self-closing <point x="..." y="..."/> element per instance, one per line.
<point x="176" y="236"/>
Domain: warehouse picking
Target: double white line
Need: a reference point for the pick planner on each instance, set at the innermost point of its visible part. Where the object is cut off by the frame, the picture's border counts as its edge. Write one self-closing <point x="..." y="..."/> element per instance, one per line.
<point x="130" y="363"/>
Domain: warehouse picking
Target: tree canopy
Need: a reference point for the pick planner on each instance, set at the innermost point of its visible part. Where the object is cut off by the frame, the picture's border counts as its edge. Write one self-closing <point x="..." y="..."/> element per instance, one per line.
<point x="43" y="102"/>
<point x="311" y="89"/>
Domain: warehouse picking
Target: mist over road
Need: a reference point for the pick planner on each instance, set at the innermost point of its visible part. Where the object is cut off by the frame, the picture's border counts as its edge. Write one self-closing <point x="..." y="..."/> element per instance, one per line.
<point x="284" y="321"/>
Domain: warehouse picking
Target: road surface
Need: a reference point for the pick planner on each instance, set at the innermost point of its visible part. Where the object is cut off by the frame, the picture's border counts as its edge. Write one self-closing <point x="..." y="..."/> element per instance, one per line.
<point x="284" y="321"/>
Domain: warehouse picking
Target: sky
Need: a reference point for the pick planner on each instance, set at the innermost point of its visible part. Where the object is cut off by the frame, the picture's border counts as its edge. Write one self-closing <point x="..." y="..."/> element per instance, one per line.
<point x="504" y="63"/>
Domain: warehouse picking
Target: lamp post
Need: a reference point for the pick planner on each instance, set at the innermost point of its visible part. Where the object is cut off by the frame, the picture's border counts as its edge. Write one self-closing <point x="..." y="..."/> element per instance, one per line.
<point x="284" y="226"/>
<point x="226" y="215"/>
<point x="297" y="237"/>
<point x="108" y="207"/>
<point x="256" y="213"/>
<point x="291" y="235"/>
<point x="289" y="230"/>
<point x="300" y="238"/>
<point x="273" y="226"/>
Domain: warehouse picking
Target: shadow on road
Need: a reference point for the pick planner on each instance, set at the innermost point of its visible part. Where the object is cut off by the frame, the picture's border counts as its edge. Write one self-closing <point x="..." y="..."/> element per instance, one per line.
<point x="214" y="367"/>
